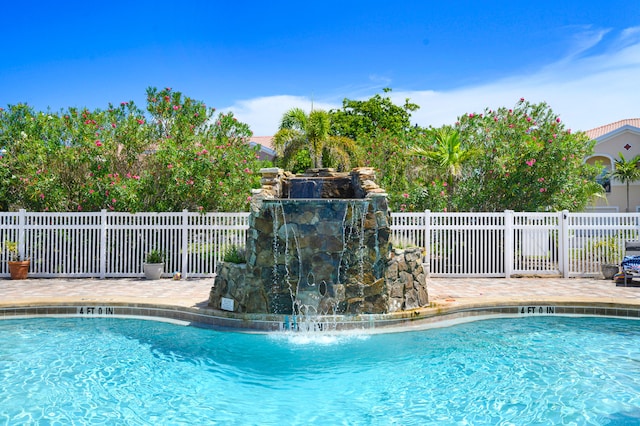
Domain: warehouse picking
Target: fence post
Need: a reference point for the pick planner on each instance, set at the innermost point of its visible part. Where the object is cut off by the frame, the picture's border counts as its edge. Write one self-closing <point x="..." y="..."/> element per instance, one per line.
<point x="185" y="243"/>
<point x="508" y="243"/>
<point x="426" y="260"/>
<point x="563" y="250"/>
<point x="22" y="223"/>
<point x="103" y="244"/>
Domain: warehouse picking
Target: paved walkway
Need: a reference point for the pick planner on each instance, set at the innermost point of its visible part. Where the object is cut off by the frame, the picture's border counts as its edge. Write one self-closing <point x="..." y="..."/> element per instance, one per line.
<point x="195" y="293"/>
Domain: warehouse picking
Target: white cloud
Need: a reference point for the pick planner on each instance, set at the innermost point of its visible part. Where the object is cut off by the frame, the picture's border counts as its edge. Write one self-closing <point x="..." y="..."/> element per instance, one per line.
<point x="585" y="91"/>
<point x="264" y="114"/>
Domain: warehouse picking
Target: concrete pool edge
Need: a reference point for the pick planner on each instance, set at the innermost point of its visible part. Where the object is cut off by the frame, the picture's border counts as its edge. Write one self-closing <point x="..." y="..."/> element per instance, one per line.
<point x="437" y="315"/>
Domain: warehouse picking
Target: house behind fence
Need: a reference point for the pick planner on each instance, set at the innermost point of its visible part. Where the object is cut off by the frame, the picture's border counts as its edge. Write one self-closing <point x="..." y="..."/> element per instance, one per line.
<point x="108" y="244"/>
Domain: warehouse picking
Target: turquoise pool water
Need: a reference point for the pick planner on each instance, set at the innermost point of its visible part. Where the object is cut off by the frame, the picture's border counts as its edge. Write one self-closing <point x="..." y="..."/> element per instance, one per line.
<point x="543" y="370"/>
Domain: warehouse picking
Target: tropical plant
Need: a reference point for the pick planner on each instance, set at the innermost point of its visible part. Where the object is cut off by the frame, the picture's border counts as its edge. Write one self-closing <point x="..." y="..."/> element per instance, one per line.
<point x="154" y="256"/>
<point x="311" y="132"/>
<point x="606" y="250"/>
<point x="626" y="171"/>
<point x="446" y="157"/>
<point x="12" y="250"/>
<point x="234" y="254"/>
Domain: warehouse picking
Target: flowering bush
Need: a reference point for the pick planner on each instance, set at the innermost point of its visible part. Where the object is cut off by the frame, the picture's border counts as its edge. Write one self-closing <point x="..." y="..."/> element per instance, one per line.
<point x="174" y="157"/>
<point x="530" y="162"/>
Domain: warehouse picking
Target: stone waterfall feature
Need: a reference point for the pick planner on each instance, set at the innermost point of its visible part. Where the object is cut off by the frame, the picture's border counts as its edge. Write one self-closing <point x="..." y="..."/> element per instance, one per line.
<point x="319" y="244"/>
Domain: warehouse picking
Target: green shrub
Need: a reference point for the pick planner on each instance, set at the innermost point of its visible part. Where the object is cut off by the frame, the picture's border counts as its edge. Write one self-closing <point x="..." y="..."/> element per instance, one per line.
<point x="233" y="254"/>
<point x="155" y="256"/>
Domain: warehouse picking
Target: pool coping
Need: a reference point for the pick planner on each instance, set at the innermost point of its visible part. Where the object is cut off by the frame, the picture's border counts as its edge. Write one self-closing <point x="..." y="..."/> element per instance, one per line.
<point x="438" y="314"/>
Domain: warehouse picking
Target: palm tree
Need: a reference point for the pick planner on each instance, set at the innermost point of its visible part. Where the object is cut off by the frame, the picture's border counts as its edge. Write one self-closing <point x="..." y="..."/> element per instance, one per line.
<point x="626" y="172"/>
<point x="299" y="131"/>
<point x="447" y="156"/>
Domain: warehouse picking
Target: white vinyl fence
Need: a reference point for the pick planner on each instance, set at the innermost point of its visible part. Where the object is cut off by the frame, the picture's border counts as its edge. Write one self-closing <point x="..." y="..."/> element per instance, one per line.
<point x="107" y="244"/>
<point x="516" y="243"/>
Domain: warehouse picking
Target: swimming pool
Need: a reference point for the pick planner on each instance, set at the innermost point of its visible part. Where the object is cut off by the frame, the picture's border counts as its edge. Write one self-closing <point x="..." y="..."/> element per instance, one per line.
<point x="545" y="370"/>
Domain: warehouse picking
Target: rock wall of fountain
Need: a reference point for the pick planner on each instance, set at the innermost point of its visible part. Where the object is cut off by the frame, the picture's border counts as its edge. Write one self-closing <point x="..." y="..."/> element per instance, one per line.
<point x="318" y="243"/>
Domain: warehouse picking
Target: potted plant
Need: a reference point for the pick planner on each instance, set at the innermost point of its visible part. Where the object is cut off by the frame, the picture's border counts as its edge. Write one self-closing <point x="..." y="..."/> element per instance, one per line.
<point x="18" y="266"/>
<point x="154" y="265"/>
<point x="609" y="254"/>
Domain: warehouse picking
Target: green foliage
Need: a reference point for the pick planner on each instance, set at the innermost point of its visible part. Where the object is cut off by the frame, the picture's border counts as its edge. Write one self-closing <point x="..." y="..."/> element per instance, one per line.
<point x="12" y="250"/>
<point x="233" y="254"/>
<point x="445" y="157"/>
<point x="301" y="132"/>
<point x="395" y="169"/>
<point x="174" y="156"/>
<point x="529" y="162"/>
<point x="358" y="119"/>
<point x="626" y="171"/>
<point x="154" y="256"/>
<point x="605" y="250"/>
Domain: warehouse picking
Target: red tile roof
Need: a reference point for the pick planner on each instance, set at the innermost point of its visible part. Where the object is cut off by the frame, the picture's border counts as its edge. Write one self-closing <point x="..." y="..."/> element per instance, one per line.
<point x="266" y="141"/>
<point x="608" y="128"/>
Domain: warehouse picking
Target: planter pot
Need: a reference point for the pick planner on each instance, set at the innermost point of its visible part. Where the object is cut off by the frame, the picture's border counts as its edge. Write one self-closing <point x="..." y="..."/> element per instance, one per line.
<point x="153" y="271"/>
<point x="19" y="270"/>
<point x="609" y="270"/>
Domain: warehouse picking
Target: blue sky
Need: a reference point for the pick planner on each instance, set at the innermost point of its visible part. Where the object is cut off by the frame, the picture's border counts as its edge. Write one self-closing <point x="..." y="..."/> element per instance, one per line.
<point x="260" y="58"/>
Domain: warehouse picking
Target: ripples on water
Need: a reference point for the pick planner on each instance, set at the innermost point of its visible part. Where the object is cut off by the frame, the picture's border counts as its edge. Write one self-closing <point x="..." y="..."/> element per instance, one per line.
<point x="546" y="370"/>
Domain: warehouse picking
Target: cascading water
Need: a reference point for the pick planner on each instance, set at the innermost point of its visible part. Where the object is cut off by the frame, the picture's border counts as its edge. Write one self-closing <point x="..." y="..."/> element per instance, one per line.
<point x="318" y="246"/>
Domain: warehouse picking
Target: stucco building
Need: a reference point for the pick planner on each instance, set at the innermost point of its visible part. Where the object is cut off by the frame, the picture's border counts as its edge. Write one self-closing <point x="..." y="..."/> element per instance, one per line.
<point x="612" y="139"/>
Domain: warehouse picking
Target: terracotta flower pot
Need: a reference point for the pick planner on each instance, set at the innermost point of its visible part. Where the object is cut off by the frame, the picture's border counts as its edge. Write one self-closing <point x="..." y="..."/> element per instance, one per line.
<point x="19" y="270"/>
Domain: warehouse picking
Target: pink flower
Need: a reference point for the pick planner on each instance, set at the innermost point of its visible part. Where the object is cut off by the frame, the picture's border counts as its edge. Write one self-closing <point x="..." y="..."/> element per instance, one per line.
<point x="98" y="143"/>
<point x="543" y="189"/>
<point x="405" y="195"/>
<point x="521" y="99"/>
<point x="113" y="200"/>
<point x="200" y="208"/>
<point x="531" y="162"/>
<point x="79" y="207"/>
<point x="169" y="166"/>
<point x="444" y="183"/>
<point x="42" y="196"/>
<point x="442" y="193"/>
<point x="91" y="191"/>
<point x="140" y="121"/>
<point x="249" y="198"/>
<point x="123" y="103"/>
<point x="176" y="107"/>
<point x="541" y="179"/>
<point x="471" y="115"/>
<point x="558" y="120"/>
<point x="113" y="125"/>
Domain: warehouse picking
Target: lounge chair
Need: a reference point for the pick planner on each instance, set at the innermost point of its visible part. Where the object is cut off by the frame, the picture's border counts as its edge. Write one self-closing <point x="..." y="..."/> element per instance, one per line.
<point x="630" y="265"/>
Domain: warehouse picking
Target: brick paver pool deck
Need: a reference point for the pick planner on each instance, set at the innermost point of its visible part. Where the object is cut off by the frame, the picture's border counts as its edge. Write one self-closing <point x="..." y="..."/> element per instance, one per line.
<point x="191" y="295"/>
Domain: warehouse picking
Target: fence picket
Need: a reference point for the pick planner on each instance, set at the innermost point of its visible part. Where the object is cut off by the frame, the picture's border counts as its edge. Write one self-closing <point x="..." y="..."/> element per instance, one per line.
<point x="111" y="244"/>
